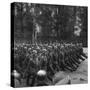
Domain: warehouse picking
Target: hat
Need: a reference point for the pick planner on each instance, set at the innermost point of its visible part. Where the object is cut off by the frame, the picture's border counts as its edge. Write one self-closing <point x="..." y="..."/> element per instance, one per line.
<point x="41" y="73"/>
<point x="15" y="74"/>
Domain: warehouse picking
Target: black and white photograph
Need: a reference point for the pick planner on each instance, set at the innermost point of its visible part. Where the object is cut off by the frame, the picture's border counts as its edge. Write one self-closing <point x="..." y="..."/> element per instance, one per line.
<point x="49" y="44"/>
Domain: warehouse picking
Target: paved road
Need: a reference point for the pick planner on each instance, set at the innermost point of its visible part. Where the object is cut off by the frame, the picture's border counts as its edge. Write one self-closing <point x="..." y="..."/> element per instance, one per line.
<point x="78" y="77"/>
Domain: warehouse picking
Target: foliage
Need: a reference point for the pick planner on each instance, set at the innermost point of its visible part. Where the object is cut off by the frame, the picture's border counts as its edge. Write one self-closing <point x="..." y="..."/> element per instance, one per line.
<point x="40" y="21"/>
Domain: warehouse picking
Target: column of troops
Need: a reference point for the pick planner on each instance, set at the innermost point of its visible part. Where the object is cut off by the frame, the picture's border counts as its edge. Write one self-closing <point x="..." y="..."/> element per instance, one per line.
<point x="31" y="58"/>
